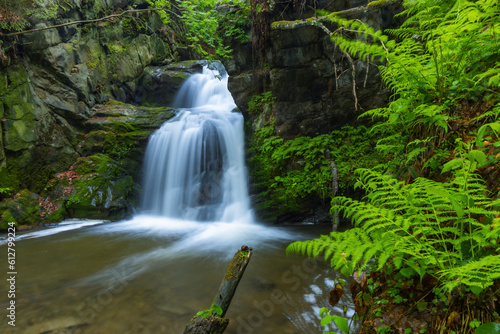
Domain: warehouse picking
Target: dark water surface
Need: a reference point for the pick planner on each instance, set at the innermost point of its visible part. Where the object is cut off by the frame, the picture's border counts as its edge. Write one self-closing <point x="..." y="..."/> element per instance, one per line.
<point x="151" y="275"/>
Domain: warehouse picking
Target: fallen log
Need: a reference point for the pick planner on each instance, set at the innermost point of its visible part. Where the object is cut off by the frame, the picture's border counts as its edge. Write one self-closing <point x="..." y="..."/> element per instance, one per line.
<point x="212" y="320"/>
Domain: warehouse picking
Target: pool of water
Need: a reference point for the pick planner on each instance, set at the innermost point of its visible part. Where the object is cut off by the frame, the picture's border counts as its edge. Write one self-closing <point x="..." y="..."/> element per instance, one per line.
<point x="151" y="275"/>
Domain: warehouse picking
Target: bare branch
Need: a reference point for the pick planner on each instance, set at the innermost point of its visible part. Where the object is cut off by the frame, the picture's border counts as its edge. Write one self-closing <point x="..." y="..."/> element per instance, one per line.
<point x="317" y="22"/>
<point x="367" y="69"/>
<point x="84" y="21"/>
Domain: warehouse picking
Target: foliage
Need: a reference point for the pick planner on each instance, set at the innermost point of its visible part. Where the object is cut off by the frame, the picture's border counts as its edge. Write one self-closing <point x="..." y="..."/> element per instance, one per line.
<point x="258" y="102"/>
<point x="447" y="230"/>
<point x="202" y="21"/>
<point x="300" y="167"/>
<point x="441" y="62"/>
<point x="235" y="23"/>
<point x="14" y="14"/>
<point x="327" y="318"/>
<point x="488" y="328"/>
<point x="6" y="192"/>
<point x="212" y="311"/>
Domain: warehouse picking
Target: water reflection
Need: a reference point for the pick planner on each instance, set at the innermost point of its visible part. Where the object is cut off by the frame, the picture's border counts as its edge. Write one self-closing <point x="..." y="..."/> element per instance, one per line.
<point x="151" y="276"/>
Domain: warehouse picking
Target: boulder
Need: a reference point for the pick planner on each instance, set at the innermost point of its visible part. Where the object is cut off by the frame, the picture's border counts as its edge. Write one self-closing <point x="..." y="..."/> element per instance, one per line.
<point x="48" y="95"/>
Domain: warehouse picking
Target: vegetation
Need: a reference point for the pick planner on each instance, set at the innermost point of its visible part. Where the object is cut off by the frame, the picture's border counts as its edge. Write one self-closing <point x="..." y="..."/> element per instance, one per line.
<point x="14" y="13"/>
<point x="310" y="158"/>
<point x="206" y="26"/>
<point x="431" y="214"/>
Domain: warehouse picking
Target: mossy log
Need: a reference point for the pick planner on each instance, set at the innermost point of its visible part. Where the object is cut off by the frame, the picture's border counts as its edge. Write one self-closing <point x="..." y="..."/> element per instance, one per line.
<point x="212" y="320"/>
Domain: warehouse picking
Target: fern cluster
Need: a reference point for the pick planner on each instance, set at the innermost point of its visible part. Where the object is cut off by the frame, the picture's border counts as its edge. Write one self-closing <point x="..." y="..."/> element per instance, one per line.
<point x="442" y="67"/>
<point x="448" y="230"/>
<point x="445" y="55"/>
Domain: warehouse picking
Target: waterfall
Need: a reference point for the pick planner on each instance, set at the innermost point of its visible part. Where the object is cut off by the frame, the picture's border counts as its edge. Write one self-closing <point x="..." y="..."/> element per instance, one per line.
<point x="194" y="164"/>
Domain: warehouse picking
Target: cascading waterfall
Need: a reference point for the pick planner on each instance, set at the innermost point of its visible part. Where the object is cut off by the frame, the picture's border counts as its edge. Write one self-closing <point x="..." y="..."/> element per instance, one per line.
<point x="194" y="165"/>
<point x="170" y="258"/>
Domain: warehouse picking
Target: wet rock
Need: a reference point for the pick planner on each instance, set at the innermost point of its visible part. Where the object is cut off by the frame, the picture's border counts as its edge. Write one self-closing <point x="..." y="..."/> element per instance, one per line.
<point x="157" y="86"/>
<point x="22" y="208"/>
<point x="48" y="95"/>
<point x="43" y="39"/>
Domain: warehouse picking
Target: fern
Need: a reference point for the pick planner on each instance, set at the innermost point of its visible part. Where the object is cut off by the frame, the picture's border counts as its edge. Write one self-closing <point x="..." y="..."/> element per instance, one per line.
<point x="446" y="230"/>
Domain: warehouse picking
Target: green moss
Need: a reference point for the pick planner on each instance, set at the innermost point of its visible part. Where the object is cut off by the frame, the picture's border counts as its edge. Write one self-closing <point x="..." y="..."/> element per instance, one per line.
<point x="95" y="59"/>
<point x="113" y="103"/>
<point x="6" y="218"/>
<point x="57" y="216"/>
<point x="103" y="186"/>
<point x="116" y="48"/>
<point x="23" y="208"/>
<point x="132" y="27"/>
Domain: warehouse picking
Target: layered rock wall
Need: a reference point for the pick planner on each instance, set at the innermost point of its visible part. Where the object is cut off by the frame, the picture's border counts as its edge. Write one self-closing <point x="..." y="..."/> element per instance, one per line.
<point x="311" y="81"/>
<point x="53" y="88"/>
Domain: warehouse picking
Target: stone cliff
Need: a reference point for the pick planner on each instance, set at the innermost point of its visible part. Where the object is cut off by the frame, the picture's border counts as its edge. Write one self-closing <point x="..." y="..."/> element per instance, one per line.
<point x="313" y="87"/>
<point x="76" y="152"/>
<point x="54" y="87"/>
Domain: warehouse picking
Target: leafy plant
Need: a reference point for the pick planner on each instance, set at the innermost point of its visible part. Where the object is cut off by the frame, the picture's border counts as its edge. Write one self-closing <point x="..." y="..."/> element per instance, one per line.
<point x="205" y="27"/>
<point x="213" y="310"/>
<point x="258" y="102"/>
<point x="327" y="318"/>
<point x="443" y="58"/>
<point x="300" y="167"/>
<point x="447" y="230"/>
<point x="488" y="328"/>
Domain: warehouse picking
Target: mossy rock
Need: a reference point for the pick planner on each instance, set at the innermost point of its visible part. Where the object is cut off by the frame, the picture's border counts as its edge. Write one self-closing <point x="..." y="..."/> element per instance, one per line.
<point x="6" y="220"/>
<point x="98" y="141"/>
<point x="103" y="189"/>
<point x="23" y="209"/>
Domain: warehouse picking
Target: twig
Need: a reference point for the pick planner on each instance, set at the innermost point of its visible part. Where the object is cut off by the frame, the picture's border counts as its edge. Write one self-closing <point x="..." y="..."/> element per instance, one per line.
<point x="335" y="188"/>
<point x="367" y="69"/>
<point x="317" y="22"/>
<point x="353" y="81"/>
<point x="83" y="21"/>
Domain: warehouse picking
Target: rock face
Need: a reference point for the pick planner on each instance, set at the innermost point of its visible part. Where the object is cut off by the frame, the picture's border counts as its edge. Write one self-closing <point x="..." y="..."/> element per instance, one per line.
<point x="311" y="80"/>
<point x="51" y="97"/>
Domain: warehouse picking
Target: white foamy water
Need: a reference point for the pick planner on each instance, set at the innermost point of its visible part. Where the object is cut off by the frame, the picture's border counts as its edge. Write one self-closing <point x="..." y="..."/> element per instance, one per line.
<point x="194" y="164"/>
<point x="61" y="227"/>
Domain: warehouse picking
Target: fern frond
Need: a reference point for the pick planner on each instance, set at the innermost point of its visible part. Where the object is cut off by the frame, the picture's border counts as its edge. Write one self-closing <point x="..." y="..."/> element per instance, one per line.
<point x="480" y="273"/>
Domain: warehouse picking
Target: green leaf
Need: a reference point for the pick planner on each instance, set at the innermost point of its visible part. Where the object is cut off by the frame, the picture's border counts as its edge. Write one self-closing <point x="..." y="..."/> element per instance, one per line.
<point x="457" y="207"/>
<point x="421" y="306"/>
<point x="217" y="309"/>
<point x="341" y="323"/>
<point x="476" y="155"/>
<point x="326" y="320"/>
<point x="476" y="290"/>
<point x="451" y="165"/>
<point x="407" y="272"/>
<point x="393" y="118"/>
<point x="488" y="328"/>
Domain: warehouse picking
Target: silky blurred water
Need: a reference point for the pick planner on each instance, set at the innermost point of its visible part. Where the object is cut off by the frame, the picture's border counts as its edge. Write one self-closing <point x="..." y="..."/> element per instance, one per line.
<point x="151" y="275"/>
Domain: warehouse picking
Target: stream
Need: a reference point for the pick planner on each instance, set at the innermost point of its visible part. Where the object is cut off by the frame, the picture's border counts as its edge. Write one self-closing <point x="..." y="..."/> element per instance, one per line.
<point x="154" y="272"/>
<point x="151" y="275"/>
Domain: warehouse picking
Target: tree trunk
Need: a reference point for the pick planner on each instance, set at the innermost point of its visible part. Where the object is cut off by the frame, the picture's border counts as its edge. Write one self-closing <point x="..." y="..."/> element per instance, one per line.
<point x="212" y="320"/>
